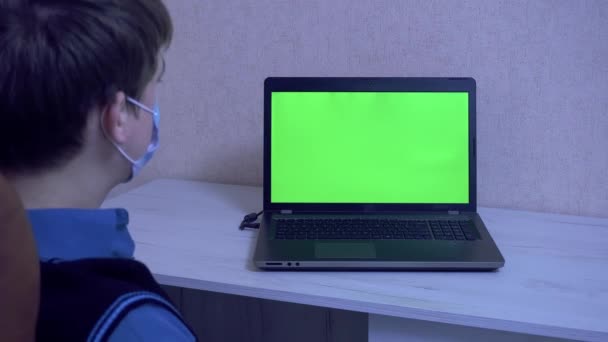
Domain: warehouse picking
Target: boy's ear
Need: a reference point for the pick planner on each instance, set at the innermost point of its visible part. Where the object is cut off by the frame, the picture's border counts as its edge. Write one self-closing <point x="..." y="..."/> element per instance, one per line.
<point x="114" y="119"/>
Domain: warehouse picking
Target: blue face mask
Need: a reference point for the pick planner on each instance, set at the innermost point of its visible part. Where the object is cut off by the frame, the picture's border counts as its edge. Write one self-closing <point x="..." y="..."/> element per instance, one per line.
<point x="137" y="165"/>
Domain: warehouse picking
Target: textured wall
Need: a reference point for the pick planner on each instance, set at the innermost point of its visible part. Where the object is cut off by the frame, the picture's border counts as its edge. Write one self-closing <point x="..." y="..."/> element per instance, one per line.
<point x="541" y="69"/>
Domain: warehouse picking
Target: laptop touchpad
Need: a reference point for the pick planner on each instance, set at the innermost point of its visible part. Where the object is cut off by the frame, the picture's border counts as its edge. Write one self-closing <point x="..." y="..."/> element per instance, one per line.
<point x="346" y="250"/>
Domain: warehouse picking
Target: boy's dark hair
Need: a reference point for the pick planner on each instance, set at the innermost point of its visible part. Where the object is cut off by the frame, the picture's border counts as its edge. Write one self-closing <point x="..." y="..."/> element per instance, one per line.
<point x="59" y="59"/>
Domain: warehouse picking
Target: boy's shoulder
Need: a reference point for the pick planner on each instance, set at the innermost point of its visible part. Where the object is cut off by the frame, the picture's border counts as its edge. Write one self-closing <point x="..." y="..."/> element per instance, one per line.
<point x="71" y="234"/>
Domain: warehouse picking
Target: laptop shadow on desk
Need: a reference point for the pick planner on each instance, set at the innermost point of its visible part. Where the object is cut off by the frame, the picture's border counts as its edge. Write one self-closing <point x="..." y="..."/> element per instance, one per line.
<point x="250" y="266"/>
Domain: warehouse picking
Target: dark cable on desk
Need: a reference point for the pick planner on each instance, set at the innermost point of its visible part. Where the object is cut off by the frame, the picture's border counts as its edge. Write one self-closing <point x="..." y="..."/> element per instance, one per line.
<point x="249" y="221"/>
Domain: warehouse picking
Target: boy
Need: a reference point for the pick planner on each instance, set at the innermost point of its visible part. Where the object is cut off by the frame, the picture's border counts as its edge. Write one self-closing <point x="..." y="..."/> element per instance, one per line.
<point x="78" y="116"/>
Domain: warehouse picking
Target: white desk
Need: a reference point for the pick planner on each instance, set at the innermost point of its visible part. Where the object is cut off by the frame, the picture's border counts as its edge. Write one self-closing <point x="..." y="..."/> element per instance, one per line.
<point x="554" y="283"/>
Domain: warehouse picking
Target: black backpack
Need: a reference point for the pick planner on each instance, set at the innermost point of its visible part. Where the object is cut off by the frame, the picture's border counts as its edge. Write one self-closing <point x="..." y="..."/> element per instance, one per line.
<point x="85" y="299"/>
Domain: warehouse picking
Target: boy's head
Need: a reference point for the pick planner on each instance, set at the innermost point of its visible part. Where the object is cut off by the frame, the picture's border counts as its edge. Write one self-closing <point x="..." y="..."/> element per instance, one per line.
<point x="69" y="72"/>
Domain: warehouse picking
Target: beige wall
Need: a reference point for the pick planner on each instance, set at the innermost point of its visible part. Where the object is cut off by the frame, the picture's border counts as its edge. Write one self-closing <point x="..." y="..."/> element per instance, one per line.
<point x="541" y="69"/>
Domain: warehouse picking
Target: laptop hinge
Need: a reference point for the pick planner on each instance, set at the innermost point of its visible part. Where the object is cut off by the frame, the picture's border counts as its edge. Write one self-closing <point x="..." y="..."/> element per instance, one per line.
<point x="286" y="211"/>
<point x="453" y="212"/>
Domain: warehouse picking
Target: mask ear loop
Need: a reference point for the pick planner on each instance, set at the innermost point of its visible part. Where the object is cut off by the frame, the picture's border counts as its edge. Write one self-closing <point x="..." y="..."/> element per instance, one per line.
<point x="141" y="105"/>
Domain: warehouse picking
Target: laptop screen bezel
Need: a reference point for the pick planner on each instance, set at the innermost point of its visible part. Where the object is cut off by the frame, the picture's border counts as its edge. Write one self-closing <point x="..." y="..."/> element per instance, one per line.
<point x="370" y="84"/>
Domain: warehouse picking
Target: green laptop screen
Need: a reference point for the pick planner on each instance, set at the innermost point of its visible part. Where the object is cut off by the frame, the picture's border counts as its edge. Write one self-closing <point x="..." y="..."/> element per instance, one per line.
<point x="369" y="147"/>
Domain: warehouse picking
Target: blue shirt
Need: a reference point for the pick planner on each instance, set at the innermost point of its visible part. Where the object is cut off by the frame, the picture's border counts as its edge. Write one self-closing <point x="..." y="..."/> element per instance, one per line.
<point x="68" y="234"/>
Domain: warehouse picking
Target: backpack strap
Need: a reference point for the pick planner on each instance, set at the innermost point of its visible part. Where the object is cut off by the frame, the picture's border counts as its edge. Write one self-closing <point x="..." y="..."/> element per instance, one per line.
<point x="121" y="307"/>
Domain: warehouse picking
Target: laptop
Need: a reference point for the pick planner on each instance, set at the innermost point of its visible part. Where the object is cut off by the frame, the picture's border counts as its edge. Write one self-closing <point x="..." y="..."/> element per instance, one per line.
<point x="371" y="174"/>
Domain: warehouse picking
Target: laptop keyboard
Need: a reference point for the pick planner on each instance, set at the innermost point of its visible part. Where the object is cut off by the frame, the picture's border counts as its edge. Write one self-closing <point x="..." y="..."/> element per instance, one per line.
<point x="373" y="229"/>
